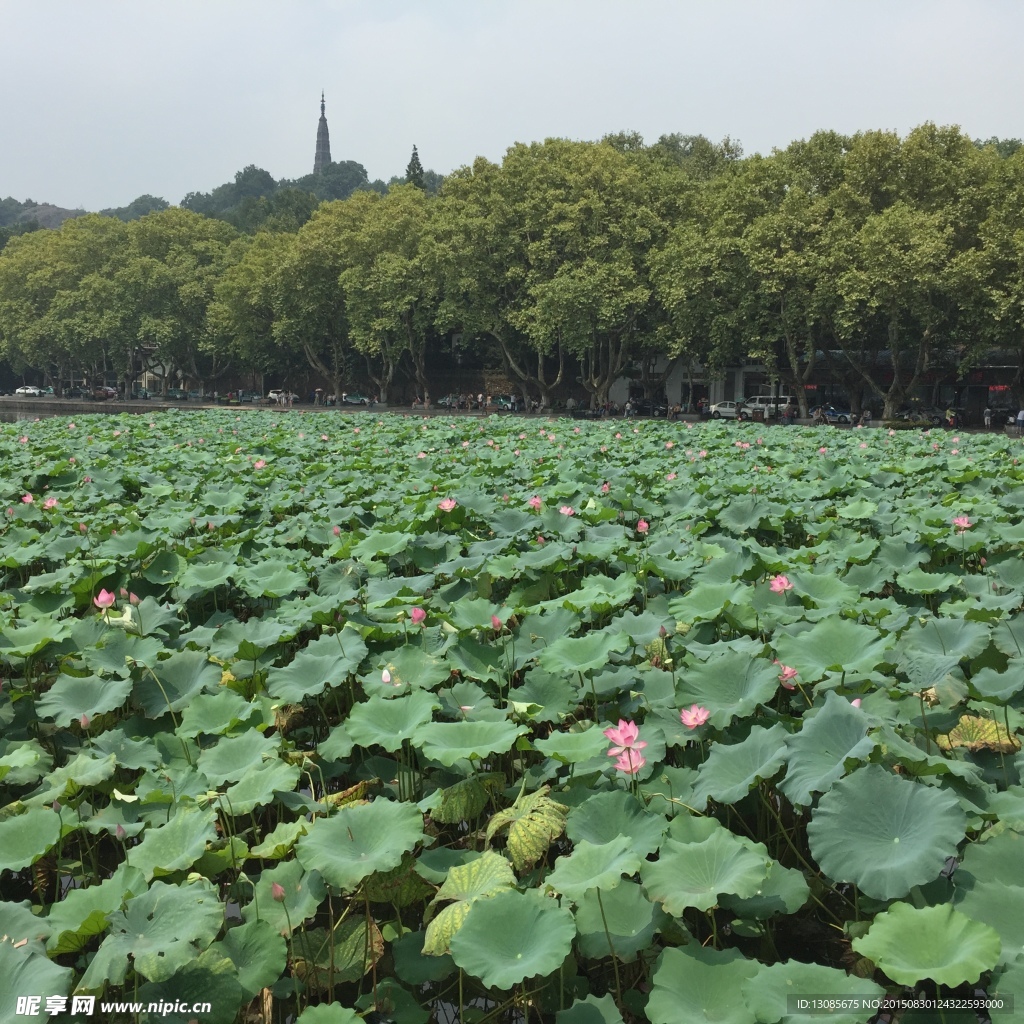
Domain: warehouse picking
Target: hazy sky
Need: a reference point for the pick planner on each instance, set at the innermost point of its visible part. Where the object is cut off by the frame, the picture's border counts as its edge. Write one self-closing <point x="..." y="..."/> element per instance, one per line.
<point x="103" y="101"/>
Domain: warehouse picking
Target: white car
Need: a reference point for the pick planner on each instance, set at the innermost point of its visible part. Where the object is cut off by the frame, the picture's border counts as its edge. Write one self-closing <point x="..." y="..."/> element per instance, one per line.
<point x="29" y="389"/>
<point x="729" y="411"/>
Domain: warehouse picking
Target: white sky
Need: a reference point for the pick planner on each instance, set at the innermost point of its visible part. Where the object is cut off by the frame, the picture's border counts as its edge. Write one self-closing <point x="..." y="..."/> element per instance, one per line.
<point x="101" y="101"/>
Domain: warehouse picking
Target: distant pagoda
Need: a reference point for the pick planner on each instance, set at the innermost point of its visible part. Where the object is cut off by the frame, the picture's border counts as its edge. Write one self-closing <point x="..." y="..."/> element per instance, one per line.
<point x="323" y="142"/>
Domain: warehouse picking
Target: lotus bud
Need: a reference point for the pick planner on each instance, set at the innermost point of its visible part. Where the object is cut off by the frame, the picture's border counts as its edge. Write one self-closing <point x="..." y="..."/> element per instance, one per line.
<point x="277" y="892"/>
<point x="496" y="623"/>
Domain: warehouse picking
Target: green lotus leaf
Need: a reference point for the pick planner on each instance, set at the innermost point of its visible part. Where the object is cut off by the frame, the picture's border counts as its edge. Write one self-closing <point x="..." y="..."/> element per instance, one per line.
<point x="911" y="944"/>
<point x="631" y="918"/>
<point x="215" y="714"/>
<point x="884" y="833"/>
<point x="602" y="817"/>
<point x="573" y="747"/>
<point x="328" y="1013"/>
<point x="729" y="684"/>
<point x="259" y="786"/>
<point x="83" y="913"/>
<point x="917" y="581"/>
<point x="71" y="697"/>
<point x="475" y="660"/>
<point x="24" y="838"/>
<point x="999" y="687"/>
<point x="360" y="840"/>
<point x="390" y="723"/>
<point x="304" y="891"/>
<point x="481" y="878"/>
<point x="784" y="891"/>
<point x="511" y="937"/>
<point x="22" y="641"/>
<point x="448" y="742"/>
<point x="27" y="972"/>
<point x="162" y="930"/>
<point x="592" y="1010"/>
<point x="591" y="865"/>
<point x="997" y="859"/>
<point x="997" y="903"/>
<point x="731" y="769"/>
<point x="415" y="667"/>
<point x="1008" y="982"/>
<point x="248" y="640"/>
<point x="833" y="644"/>
<point x="412" y="964"/>
<point x="175" y="846"/>
<point x="278" y="843"/>
<point x="707" y="601"/>
<point x="940" y="637"/>
<point x="328" y="660"/>
<point x="572" y="655"/>
<point x="1008" y="636"/>
<point x="178" y="679"/>
<point x="209" y="978"/>
<point x="271" y="578"/>
<point x="700" y="985"/>
<point x="231" y="757"/>
<point x="772" y="992"/>
<point x="818" y="754"/>
<point x="695" y="874"/>
<point x="164" y="569"/>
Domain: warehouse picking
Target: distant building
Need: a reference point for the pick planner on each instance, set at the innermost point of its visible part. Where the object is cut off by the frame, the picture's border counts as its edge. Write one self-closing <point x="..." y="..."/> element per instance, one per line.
<point x="323" y="142"/>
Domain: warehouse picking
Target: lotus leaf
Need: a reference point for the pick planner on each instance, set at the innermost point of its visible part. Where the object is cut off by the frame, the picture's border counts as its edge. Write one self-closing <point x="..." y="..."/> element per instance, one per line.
<point x="175" y="846"/>
<point x="731" y="769"/>
<point x="772" y="993"/>
<point x="448" y="742"/>
<point x="24" y="838"/>
<point x="162" y="930"/>
<point x="389" y="723"/>
<point x="303" y="893"/>
<point x="511" y="937"/>
<point x="329" y="660"/>
<point x="818" y="755"/>
<point x="695" y="874"/>
<point x="602" y="817"/>
<point x="27" y="972"/>
<point x="938" y="943"/>
<point x="211" y="978"/>
<point x="360" y="840"/>
<point x="700" y="985"/>
<point x="534" y="821"/>
<point x="631" y="918"/>
<point x="884" y="833"/>
<point x="591" y="865"/>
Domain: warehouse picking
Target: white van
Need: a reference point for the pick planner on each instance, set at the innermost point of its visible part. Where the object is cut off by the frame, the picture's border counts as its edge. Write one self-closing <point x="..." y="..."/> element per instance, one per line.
<point x="769" y="404"/>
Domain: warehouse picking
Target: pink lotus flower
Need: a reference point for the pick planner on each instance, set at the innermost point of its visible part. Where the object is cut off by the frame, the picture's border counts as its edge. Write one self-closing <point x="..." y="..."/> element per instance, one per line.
<point x="447" y="504"/>
<point x="670" y="444"/>
<point x="120" y="833"/>
<point x="781" y="584"/>
<point x="50" y="503"/>
<point x="787" y="673"/>
<point x="277" y="892"/>
<point x="694" y="717"/>
<point x="84" y="721"/>
<point x="259" y="464"/>
<point x="630" y="762"/>
<point x="23" y="440"/>
<point x="27" y="499"/>
<point x="337" y="531"/>
<point x="104" y="599"/>
<point x="625" y="736"/>
<point x="670" y="476"/>
<point x="962" y="523"/>
<point x="643" y="526"/>
<point x="496" y="623"/>
<point x="421" y="455"/>
<point x="418" y="616"/>
<point x="385" y="676"/>
<point x="822" y="450"/>
<point x="535" y="502"/>
<point x="567" y="510"/>
<point x="855" y="702"/>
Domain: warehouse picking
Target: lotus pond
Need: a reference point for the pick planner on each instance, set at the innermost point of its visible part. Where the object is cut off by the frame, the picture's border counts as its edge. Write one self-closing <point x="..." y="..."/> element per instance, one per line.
<point x="308" y="716"/>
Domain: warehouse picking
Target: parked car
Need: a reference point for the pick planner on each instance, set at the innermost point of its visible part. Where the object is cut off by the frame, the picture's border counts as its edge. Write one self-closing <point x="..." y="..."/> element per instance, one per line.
<point x="354" y="398"/>
<point x="29" y="389"/>
<point x="648" y="407"/>
<point x="729" y="411"/>
<point x="833" y="415"/>
<point x="104" y="391"/>
<point x="139" y="393"/>
<point x="769" y="404"/>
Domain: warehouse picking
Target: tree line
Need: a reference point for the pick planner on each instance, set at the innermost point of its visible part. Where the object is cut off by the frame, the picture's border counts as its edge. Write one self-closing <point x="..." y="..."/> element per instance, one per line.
<point x="873" y="258"/>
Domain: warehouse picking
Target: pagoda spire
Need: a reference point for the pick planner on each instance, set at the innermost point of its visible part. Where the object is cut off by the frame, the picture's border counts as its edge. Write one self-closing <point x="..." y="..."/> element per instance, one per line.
<point x="323" y="141"/>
